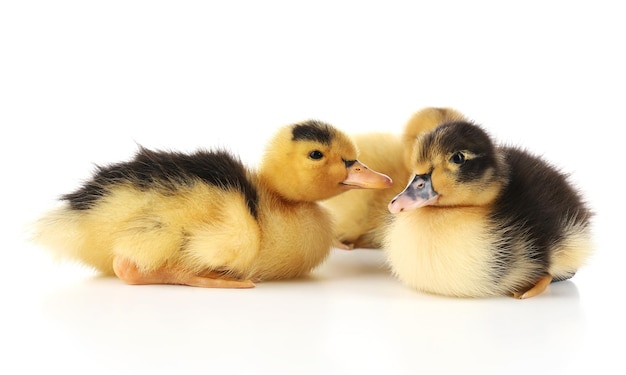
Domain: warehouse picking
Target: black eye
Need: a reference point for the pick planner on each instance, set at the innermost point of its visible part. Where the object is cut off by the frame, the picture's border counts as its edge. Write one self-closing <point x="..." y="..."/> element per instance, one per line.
<point x="457" y="158"/>
<point x="316" y="155"/>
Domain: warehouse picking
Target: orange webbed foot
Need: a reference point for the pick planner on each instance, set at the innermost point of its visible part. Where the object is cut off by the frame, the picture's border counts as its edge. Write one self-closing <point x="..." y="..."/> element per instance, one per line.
<point x="539" y="287"/>
<point x="342" y="245"/>
<point x="128" y="272"/>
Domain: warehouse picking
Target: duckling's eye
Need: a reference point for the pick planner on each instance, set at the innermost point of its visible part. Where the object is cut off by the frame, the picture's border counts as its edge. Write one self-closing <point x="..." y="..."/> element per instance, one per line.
<point x="316" y="155"/>
<point x="457" y="158"/>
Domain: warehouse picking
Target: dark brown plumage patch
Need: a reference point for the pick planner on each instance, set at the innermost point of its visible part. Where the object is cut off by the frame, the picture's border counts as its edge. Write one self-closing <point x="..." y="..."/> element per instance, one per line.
<point x="457" y="136"/>
<point x="537" y="203"/>
<point x="313" y="131"/>
<point x="168" y="171"/>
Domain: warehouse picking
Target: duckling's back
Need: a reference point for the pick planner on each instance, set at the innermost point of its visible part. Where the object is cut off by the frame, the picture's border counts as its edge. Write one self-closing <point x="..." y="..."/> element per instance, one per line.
<point x="542" y="215"/>
<point x="153" y="209"/>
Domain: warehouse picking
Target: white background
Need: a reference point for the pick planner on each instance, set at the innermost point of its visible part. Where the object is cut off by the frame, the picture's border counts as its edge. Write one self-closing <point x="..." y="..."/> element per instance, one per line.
<point x="84" y="82"/>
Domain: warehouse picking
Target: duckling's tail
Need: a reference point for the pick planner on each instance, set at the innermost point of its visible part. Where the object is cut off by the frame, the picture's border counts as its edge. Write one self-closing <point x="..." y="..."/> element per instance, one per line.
<point x="59" y="231"/>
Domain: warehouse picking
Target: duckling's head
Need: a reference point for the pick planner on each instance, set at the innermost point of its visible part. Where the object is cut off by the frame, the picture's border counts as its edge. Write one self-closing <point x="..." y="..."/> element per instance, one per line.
<point x="312" y="160"/>
<point x="455" y="164"/>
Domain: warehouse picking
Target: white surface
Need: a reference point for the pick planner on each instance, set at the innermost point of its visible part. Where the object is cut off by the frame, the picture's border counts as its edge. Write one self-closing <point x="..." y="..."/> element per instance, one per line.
<point x="83" y="82"/>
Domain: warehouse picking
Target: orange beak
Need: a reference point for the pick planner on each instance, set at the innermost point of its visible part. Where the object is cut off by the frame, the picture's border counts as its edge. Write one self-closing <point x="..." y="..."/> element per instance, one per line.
<point x="361" y="177"/>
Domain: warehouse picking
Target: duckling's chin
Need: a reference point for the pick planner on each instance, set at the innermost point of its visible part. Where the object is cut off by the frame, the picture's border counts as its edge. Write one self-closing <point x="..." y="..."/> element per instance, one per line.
<point x="344" y="186"/>
<point x="402" y="203"/>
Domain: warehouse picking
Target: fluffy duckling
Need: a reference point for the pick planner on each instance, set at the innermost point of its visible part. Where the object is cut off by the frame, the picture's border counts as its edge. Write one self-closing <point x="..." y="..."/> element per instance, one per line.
<point x="206" y="220"/>
<point x="479" y="220"/>
<point x="360" y="216"/>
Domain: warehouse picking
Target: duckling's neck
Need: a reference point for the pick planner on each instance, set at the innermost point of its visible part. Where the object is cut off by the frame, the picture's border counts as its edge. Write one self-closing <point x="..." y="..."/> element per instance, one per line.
<point x="285" y="193"/>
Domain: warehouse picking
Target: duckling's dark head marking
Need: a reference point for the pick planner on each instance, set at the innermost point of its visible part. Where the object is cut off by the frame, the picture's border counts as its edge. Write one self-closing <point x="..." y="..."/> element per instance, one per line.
<point x="462" y="144"/>
<point x="313" y="130"/>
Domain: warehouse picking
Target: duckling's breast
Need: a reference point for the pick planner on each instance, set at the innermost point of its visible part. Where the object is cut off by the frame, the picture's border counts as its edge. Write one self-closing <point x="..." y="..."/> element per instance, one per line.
<point x="295" y="239"/>
<point x="492" y="250"/>
<point x="447" y="251"/>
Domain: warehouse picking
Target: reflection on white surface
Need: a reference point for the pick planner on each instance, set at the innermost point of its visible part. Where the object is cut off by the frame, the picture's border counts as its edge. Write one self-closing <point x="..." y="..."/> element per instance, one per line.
<point x="350" y="316"/>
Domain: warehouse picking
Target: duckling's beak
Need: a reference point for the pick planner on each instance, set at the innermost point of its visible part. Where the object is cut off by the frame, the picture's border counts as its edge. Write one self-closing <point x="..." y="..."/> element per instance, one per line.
<point x="361" y="177"/>
<point x="418" y="193"/>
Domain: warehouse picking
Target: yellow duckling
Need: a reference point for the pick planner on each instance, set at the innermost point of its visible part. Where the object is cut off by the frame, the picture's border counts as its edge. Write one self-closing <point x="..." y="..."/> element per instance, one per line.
<point x="360" y="216"/>
<point x="204" y="219"/>
<point x="478" y="220"/>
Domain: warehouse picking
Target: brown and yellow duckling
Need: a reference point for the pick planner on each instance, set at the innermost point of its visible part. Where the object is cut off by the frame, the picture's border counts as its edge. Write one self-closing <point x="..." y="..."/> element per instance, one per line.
<point x="204" y="219"/>
<point x="478" y="219"/>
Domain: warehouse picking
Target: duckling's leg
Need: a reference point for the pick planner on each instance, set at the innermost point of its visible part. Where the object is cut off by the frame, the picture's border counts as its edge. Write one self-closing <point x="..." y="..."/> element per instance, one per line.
<point x="129" y="273"/>
<point x="536" y="289"/>
<point x="341" y="245"/>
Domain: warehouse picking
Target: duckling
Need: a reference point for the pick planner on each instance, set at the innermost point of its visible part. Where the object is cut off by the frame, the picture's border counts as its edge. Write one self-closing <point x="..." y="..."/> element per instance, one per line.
<point x="360" y="216"/>
<point x="478" y="219"/>
<point x="205" y="219"/>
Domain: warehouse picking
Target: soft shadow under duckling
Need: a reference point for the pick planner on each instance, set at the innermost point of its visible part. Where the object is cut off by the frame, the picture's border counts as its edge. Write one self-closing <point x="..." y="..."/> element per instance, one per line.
<point x="205" y="219"/>
<point x="477" y="219"/>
